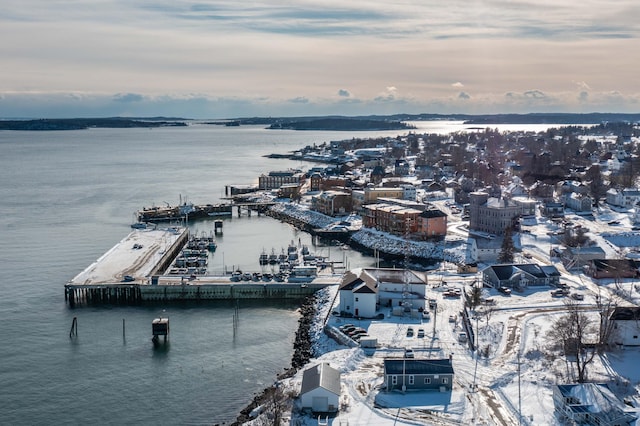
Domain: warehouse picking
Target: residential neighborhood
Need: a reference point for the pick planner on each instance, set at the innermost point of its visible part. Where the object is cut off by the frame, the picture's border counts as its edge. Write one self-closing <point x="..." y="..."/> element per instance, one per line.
<point x="505" y="288"/>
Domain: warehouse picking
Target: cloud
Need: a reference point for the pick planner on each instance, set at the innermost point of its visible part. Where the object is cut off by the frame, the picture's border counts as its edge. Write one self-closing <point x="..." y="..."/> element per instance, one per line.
<point x="128" y="97"/>
<point x="535" y="94"/>
<point x="463" y="95"/>
<point x="344" y="93"/>
<point x="457" y="84"/>
<point x="299" y="100"/>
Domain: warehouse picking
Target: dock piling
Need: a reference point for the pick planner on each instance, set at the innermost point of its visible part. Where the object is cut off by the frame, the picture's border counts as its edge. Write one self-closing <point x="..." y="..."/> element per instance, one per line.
<point x="74" y="328"/>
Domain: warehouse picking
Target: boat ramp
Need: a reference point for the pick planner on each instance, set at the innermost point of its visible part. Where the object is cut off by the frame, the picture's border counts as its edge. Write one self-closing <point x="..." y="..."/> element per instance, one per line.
<point x="141" y="268"/>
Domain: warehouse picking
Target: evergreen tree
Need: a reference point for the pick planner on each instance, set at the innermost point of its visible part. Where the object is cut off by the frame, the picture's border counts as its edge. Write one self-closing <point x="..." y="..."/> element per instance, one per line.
<point x="506" y="252"/>
<point x="473" y="297"/>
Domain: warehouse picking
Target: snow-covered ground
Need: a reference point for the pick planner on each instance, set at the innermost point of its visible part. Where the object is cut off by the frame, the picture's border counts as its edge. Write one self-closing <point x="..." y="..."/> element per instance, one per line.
<point x="512" y="372"/>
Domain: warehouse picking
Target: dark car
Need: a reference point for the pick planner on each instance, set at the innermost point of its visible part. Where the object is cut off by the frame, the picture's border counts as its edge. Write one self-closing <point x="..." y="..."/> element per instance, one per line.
<point x="504" y="290"/>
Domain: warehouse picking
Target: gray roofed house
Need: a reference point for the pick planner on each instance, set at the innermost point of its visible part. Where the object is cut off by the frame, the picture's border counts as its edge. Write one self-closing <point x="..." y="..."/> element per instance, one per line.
<point x="418" y="374"/>
<point x="520" y="275"/>
<point x="321" y="389"/>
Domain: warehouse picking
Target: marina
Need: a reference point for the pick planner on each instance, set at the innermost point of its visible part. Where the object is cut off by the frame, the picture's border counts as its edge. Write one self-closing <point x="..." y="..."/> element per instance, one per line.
<point x="170" y="265"/>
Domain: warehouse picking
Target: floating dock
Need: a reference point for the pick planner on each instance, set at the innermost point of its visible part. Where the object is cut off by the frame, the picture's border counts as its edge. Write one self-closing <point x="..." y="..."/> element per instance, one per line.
<point x="134" y="272"/>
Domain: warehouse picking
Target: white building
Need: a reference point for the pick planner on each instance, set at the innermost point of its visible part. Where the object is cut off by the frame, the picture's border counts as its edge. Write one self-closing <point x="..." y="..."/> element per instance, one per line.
<point x="363" y="290"/>
<point x="321" y="389"/>
<point x="626" y="326"/>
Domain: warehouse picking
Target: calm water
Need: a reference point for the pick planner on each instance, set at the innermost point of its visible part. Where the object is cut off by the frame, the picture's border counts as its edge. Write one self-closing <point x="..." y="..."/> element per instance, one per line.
<point x="66" y="198"/>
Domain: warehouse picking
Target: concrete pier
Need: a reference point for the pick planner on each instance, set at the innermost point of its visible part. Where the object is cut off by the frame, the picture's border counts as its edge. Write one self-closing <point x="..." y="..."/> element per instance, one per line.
<point x="133" y="273"/>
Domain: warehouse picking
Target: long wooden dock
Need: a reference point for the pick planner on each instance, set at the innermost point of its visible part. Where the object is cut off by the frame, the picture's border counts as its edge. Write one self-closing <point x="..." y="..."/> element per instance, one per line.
<point x="133" y="272"/>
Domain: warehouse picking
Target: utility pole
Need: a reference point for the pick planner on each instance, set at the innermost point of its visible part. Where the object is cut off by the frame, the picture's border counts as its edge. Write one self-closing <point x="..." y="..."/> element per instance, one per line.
<point x="519" y="393"/>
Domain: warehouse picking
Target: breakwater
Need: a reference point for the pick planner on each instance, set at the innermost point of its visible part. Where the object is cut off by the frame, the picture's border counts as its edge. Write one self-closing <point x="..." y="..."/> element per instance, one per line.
<point x="302" y="352"/>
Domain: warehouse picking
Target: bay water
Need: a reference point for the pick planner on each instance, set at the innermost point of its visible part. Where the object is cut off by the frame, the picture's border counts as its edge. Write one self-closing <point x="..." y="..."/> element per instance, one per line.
<point x="65" y="199"/>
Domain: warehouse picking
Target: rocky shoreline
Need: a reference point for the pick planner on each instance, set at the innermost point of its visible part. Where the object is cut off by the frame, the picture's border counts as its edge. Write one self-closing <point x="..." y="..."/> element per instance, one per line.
<point x="302" y="352"/>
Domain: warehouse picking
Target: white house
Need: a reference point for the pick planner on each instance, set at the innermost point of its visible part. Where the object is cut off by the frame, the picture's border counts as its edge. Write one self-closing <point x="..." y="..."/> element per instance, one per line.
<point x="363" y="290"/>
<point x="321" y="389"/>
<point x="358" y="295"/>
<point x="626" y="326"/>
<point x="626" y="198"/>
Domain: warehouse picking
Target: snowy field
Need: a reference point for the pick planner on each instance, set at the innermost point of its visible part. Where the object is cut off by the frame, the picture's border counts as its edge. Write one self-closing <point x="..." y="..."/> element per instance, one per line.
<point x="509" y="379"/>
<point x="503" y="386"/>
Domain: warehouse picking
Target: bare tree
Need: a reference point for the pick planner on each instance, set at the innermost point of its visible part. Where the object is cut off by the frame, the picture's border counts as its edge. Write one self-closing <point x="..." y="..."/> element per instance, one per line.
<point x="572" y="331"/>
<point x="605" y="309"/>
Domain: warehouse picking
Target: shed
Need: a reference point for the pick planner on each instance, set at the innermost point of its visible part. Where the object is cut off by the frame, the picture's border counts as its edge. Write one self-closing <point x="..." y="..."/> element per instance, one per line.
<point x="321" y="389"/>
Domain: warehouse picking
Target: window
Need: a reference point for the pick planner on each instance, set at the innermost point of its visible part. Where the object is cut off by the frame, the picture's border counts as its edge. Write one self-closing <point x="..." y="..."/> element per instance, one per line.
<point x="356" y="299"/>
<point x="394" y="380"/>
<point x="411" y="380"/>
<point x="444" y="380"/>
<point x="427" y="381"/>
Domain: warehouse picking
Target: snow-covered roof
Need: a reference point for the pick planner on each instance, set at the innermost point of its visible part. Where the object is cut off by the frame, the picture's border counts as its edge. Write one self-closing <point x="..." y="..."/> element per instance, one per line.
<point x="595" y="398"/>
<point x="321" y="376"/>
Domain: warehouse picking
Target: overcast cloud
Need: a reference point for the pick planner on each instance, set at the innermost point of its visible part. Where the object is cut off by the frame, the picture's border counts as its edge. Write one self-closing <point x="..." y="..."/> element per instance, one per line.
<point x="217" y="59"/>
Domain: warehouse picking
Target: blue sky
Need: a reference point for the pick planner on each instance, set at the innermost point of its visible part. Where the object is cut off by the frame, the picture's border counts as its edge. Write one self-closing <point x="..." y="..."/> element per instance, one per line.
<point x="220" y="59"/>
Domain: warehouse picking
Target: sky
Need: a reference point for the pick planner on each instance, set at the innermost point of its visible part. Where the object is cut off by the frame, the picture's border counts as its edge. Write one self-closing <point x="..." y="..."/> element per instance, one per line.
<point x="229" y="58"/>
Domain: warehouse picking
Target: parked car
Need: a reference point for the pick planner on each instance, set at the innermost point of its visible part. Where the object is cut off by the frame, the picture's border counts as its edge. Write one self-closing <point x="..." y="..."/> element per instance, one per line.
<point x="426" y="315"/>
<point x="558" y="293"/>
<point x="433" y="303"/>
<point x="421" y="333"/>
<point x="452" y="318"/>
<point x="462" y="337"/>
<point x="504" y="290"/>
<point x="408" y="353"/>
<point x="410" y="332"/>
<point x="577" y="296"/>
<point x="349" y="329"/>
<point x="346" y="326"/>
<point x="359" y="337"/>
<point x="355" y="331"/>
<point x="358" y="334"/>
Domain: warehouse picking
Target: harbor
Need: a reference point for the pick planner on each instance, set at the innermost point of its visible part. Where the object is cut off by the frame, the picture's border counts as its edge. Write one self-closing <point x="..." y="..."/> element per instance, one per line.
<point x="169" y="265"/>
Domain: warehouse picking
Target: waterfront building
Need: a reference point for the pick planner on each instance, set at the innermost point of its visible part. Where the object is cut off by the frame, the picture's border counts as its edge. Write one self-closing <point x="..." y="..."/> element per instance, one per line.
<point x="289" y="190"/>
<point x="275" y="179"/>
<point x="370" y="195"/>
<point x="391" y="218"/>
<point x="332" y="203"/>
<point x="362" y="291"/>
<point x="432" y="223"/>
<point x="320" y="390"/>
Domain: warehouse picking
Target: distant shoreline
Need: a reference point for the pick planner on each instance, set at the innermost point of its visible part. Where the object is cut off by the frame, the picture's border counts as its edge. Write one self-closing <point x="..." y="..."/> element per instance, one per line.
<point x="333" y="123"/>
<point x="61" y="124"/>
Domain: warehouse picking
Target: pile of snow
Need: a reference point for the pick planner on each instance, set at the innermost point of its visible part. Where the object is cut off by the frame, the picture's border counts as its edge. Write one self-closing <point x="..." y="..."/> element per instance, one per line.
<point x="452" y="251"/>
<point x="313" y="218"/>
